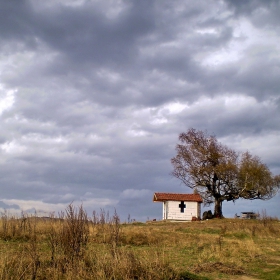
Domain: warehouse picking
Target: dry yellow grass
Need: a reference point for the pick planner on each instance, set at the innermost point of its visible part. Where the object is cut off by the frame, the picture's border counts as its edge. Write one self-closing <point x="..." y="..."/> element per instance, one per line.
<point x="74" y="248"/>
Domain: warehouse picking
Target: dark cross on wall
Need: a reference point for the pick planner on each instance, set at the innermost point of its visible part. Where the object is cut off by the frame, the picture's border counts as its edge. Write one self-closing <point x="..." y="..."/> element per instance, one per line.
<point x="182" y="205"/>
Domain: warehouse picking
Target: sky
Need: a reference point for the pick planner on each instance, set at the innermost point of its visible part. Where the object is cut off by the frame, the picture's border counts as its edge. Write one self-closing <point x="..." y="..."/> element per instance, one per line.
<point x="94" y="93"/>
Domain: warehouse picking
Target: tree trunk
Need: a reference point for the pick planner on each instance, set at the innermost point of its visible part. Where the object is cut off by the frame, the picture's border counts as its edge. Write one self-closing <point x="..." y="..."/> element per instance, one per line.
<point x="218" y="213"/>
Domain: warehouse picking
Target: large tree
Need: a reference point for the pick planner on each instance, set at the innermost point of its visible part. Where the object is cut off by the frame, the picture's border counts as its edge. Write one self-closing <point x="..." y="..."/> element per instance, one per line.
<point x="219" y="173"/>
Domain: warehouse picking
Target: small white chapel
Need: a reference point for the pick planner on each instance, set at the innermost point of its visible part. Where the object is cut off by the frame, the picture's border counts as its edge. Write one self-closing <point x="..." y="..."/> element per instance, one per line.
<point x="176" y="206"/>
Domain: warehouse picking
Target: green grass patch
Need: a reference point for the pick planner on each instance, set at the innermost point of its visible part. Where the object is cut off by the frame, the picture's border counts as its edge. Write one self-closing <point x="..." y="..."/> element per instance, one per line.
<point x="239" y="235"/>
<point x="211" y="230"/>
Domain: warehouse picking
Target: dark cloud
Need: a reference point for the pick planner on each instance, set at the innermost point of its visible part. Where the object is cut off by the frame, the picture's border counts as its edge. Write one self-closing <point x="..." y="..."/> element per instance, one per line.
<point x="251" y="6"/>
<point x="262" y="14"/>
<point x="16" y="21"/>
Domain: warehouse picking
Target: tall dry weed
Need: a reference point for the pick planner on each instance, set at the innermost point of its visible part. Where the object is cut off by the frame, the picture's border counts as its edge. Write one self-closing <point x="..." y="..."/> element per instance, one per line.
<point x="74" y="232"/>
<point x="114" y="233"/>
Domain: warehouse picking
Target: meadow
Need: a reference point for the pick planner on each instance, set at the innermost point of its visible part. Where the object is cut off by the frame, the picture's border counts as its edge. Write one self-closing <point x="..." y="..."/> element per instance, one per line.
<point x="73" y="245"/>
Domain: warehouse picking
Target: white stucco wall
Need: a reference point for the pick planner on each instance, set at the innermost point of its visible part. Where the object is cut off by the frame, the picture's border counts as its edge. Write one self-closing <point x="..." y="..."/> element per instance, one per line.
<point x="172" y="211"/>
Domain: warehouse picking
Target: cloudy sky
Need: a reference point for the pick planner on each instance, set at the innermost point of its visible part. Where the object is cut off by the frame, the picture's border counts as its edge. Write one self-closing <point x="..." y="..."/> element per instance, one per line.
<point x="94" y="93"/>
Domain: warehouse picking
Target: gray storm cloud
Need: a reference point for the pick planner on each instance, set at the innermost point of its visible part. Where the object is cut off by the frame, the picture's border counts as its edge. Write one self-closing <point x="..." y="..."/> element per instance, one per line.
<point x="93" y="95"/>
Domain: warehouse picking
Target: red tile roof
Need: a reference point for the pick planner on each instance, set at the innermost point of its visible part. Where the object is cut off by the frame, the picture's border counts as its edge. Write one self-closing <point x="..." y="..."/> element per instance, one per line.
<point x="177" y="197"/>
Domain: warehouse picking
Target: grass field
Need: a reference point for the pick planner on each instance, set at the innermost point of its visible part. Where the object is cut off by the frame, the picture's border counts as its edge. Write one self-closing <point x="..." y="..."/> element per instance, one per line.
<point x="75" y="246"/>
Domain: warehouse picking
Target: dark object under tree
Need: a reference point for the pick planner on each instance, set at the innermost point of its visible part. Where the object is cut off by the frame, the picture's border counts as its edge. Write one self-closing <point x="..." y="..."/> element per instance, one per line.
<point x="219" y="173"/>
<point x="207" y="215"/>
